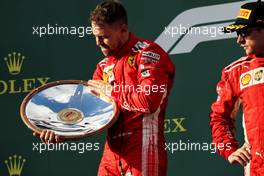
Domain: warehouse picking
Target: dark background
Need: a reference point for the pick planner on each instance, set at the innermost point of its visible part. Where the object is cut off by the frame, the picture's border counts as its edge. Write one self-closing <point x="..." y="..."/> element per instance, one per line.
<point x="62" y="57"/>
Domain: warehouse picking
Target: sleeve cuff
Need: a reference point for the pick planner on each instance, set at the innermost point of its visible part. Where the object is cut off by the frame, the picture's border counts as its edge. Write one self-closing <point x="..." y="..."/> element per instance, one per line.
<point x="227" y="153"/>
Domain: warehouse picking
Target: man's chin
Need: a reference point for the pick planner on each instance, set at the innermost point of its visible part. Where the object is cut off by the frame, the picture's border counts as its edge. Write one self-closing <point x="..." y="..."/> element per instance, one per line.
<point x="107" y="52"/>
<point x="248" y="52"/>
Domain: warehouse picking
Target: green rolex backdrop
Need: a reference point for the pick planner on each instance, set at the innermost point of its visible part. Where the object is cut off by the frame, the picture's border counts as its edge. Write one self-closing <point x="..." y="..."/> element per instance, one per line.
<point x="44" y="41"/>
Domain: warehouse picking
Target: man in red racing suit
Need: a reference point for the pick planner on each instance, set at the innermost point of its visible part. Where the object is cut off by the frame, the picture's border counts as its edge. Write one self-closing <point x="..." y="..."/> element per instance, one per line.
<point x="242" y="82"/>
<point x="141" y="75"/>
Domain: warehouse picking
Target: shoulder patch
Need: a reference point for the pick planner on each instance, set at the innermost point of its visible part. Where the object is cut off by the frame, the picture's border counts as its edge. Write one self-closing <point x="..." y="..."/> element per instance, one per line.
<point x="140" y="45"/>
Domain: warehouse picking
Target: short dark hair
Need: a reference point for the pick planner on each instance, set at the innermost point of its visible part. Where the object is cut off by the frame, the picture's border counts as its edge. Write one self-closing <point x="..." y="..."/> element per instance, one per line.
<point x="109" y="11"/>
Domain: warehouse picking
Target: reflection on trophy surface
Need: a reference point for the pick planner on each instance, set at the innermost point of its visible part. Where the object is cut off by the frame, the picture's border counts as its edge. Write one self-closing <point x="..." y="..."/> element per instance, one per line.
<point x="69" y="108"/>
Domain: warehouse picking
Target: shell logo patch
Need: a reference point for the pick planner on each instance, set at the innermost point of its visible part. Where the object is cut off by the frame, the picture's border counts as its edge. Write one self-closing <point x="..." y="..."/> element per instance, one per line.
<point x="245" y="79"/>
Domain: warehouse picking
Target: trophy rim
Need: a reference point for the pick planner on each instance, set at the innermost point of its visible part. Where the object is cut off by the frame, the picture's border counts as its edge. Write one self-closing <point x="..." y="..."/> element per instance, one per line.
<point x="38" y="130"/>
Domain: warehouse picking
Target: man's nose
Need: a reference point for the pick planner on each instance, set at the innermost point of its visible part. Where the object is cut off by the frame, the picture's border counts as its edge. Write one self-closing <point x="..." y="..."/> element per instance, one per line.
<point x="240" y="39"/>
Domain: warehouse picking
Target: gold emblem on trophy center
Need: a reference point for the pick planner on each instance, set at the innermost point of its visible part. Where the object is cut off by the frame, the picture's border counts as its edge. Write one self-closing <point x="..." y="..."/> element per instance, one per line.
<point x="70" y="116"/>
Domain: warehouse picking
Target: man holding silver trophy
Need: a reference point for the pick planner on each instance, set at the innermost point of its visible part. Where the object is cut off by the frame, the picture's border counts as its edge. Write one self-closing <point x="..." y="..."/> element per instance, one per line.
<point x="138" y="74"/>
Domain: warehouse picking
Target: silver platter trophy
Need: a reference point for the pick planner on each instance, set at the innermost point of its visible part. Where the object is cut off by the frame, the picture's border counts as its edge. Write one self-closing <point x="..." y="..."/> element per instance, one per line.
<point x="70" y="108"/>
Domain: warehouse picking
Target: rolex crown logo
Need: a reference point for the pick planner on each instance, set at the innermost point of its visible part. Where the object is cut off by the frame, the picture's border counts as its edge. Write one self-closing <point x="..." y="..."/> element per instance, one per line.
<point x="14" y="63"/>
<point x="15" y="165"/>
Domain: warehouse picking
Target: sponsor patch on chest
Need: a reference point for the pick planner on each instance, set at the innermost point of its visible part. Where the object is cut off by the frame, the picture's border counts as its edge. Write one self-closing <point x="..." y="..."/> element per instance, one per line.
<point x="151" y="55"/>
<point x="131" y="61"/>
<point x="252" y="77"/>
<point x="108" y="73"/>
